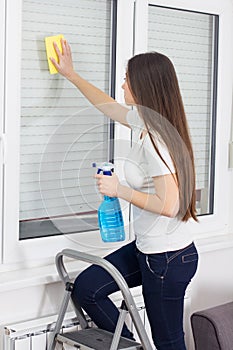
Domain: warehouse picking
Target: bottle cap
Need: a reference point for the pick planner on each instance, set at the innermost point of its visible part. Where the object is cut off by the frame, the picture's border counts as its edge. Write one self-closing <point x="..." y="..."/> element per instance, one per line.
<point x="106" y="166"/>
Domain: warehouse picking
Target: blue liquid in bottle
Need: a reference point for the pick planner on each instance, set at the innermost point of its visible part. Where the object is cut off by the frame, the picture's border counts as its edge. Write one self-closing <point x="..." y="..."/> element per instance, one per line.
<point x="110" y="220"/>
<point x="110" y="217"/>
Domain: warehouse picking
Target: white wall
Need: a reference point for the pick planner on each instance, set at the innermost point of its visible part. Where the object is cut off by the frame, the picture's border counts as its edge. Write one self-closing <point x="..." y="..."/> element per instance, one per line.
<point x="231" y="197"/>
<point x="213" y="284"/>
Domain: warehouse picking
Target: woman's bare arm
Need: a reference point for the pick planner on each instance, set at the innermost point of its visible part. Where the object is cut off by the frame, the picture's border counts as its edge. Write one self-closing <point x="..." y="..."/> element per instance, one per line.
<point x="165" y="200"/>
<point x="97" y="97"/>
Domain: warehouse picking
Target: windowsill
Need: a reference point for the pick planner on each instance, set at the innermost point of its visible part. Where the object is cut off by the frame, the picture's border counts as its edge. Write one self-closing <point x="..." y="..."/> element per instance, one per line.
<point x="36" y="276"/>
<point x="30" y="277"/>
<point x="218" y="242"/>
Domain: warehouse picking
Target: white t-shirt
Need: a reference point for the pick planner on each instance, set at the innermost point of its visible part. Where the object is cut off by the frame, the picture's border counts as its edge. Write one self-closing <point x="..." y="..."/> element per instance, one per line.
<point x="154" y="233"/>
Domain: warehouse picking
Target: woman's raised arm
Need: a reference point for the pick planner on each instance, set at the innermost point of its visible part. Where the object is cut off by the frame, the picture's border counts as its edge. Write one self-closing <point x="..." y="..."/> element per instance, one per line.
<point x="97" y="97"/>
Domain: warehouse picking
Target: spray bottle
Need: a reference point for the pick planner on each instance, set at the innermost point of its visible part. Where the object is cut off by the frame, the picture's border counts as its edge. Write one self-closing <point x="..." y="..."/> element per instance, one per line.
<point x="110" y="217"/>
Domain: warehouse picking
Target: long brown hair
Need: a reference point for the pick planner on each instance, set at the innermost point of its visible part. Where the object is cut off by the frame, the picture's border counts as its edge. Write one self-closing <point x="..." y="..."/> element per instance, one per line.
<point x="154" y="86"/>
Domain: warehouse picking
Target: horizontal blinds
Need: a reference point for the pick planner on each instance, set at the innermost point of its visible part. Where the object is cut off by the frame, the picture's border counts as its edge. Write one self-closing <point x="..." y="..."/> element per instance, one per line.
<point x="186" y="38"/>
<point x="61" y="133"/>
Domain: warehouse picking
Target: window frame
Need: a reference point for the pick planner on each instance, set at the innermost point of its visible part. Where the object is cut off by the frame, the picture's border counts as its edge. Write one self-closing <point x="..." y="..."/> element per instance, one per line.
<point x="2" y="111"/>
<point x="211" y="224"/>
<point x="43" y="248"/>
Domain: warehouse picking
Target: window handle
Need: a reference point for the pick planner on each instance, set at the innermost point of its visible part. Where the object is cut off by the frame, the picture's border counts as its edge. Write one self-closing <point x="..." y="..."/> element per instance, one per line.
<point x="2" y="149"/>
<point x="230" y="155"/>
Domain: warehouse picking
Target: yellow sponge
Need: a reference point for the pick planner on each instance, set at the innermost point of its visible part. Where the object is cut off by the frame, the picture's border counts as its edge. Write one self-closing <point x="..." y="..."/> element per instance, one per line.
<point x="49" y="40"/>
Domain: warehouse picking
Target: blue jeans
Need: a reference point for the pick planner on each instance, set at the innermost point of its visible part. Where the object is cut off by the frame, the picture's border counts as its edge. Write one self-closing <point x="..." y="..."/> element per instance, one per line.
<point x="164" y="278"/>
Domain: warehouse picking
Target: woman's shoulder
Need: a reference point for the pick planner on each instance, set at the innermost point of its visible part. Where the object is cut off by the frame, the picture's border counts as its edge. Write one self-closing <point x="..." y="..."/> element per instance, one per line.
<point x="153" y="137"/>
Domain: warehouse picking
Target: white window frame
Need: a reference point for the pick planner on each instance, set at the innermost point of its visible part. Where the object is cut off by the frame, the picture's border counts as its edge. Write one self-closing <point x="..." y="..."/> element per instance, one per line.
<point x="2" y="107"/>
<point x="218" y="222"/>
<point x="15" y="251"/>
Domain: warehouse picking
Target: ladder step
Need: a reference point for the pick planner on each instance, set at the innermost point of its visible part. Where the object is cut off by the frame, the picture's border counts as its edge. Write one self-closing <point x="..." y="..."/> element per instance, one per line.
<point x="95" y="339"/>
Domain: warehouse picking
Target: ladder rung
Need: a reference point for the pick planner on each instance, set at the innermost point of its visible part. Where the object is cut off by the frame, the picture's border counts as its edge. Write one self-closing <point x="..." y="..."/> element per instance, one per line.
<point x="95" y="339"/>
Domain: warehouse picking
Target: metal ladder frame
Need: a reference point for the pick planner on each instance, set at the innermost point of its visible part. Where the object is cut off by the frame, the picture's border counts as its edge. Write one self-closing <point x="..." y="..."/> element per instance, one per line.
<point x="116" y="275"/>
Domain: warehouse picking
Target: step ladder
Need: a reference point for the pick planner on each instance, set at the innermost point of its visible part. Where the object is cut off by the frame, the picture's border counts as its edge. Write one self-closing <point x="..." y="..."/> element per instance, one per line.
<point x="93" y="338"/>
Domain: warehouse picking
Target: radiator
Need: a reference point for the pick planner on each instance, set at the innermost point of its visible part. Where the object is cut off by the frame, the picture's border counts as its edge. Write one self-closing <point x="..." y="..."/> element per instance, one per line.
<point x="34" y="334"/>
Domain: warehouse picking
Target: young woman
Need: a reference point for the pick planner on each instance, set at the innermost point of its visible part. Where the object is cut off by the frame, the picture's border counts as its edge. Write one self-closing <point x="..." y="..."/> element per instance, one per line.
<point x="161" y="187"/>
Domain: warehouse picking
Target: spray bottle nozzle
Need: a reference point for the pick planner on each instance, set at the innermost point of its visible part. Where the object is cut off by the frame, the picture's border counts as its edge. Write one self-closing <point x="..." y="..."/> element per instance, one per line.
<point x="104" y="167"/>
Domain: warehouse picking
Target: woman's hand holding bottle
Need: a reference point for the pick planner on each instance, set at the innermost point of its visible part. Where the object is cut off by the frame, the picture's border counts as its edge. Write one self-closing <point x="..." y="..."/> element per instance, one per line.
<point x="107" y="185"/>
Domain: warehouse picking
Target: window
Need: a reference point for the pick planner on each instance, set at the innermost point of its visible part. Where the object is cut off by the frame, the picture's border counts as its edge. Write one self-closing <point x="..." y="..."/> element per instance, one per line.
<point x="23" y="64"/>
<point x="61" y="134"/>
<point x="46" y="126"/>
<point x="214" y="182"/>
<point x="189" y="39"/>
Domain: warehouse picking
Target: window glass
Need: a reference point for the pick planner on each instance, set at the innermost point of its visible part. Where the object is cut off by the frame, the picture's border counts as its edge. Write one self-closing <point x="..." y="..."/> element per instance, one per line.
<point x="189" y="39"/>
<point x="61" y="133"/>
